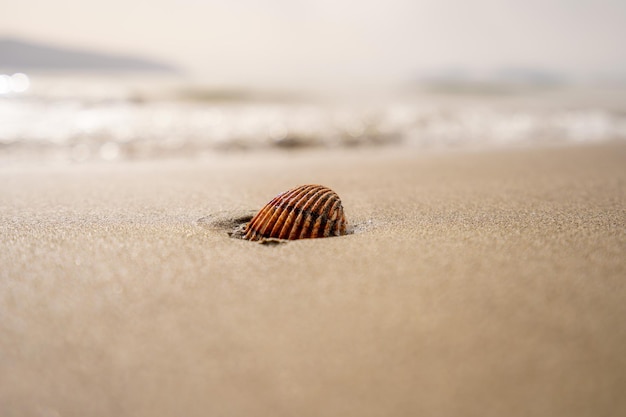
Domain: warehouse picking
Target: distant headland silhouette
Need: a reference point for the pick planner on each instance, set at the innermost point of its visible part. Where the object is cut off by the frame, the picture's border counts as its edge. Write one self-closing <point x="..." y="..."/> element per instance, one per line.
<point x="20" y="55"/>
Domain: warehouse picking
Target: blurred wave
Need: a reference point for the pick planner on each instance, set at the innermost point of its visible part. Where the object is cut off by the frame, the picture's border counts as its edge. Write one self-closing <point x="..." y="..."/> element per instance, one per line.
<point x="83" y="118"/>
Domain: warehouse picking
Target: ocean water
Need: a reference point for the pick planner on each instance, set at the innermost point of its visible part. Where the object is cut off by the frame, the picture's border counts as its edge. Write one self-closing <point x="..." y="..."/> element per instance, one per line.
<point x="78" y="118"/>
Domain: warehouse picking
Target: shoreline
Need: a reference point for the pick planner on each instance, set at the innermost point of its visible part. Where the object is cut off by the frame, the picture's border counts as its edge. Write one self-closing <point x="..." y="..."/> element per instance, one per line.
<point x="235" y="156"/>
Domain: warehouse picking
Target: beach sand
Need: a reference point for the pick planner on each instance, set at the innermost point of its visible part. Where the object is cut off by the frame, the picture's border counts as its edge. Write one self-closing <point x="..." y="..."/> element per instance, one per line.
<point x="477" y="283"/>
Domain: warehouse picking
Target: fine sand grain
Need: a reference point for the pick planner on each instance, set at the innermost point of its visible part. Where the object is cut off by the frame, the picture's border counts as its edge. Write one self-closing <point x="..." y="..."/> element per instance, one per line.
<point x="475" y="284"/>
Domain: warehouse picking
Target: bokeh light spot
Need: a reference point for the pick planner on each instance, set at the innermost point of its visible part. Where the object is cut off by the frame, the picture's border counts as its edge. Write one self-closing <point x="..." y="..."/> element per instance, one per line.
<point x="19" y="82"/>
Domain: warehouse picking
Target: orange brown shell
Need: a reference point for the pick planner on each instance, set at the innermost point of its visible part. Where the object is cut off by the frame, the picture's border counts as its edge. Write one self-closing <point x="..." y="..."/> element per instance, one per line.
<point x="305" y="212"/>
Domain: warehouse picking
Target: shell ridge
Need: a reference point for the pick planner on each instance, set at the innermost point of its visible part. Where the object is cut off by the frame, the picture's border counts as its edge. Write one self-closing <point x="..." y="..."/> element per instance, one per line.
<point x="264" y="216"/>
<point x="337" y="220"/>
<point x="331" y="224"/>
<point x="295" y="216"/>
<point x="290" y="222"/>
<point x="313" y="216"/>
<point x="256" y="221"/>
<point x="309" y="214"/>
<point x="252" y="229"/>
<point x="279" y="209"/>
<point x="320" y="226"/>
<point x="270" y="212"/>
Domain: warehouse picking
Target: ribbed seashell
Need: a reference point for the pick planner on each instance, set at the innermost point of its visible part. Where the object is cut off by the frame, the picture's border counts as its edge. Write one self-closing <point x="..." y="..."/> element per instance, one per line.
<point x="308" y="211"/>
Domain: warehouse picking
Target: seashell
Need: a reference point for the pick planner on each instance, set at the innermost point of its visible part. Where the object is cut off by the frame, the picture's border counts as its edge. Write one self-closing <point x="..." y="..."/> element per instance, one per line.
<point x="304" y="212"/>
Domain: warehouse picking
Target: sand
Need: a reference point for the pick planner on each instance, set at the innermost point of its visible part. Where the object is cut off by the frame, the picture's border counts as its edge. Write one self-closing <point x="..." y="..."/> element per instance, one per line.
<point x="487" y="283"/>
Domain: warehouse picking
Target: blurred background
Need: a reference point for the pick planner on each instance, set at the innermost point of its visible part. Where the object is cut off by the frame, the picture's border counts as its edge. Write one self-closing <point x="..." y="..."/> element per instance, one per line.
<point x="130" y="79"/>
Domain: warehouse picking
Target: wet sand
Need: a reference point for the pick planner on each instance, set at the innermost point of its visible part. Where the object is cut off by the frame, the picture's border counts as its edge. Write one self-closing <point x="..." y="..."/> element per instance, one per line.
<point x="475" y="284"/>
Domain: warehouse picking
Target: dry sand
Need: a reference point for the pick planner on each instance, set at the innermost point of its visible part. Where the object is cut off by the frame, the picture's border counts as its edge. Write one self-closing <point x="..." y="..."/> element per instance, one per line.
<point x="476" y="284"/>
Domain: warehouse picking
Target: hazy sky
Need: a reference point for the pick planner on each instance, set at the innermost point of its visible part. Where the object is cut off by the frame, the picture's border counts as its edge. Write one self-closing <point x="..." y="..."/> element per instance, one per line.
<point x="298" y="41"/>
